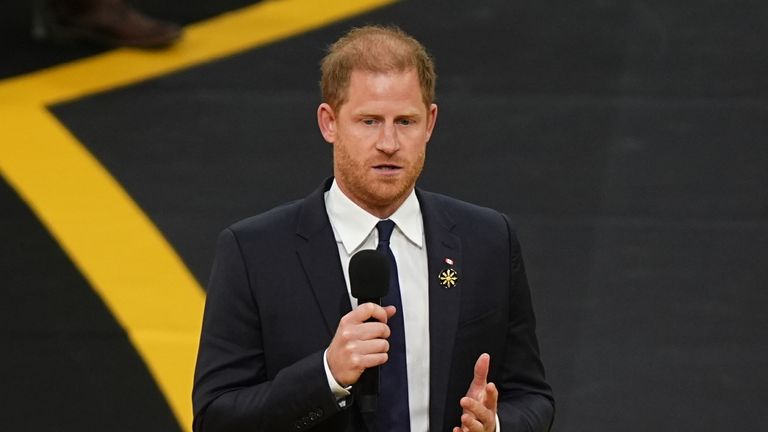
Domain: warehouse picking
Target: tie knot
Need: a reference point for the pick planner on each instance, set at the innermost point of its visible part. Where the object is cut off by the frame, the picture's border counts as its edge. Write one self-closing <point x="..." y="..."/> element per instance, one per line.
<point x="385" y="229"/>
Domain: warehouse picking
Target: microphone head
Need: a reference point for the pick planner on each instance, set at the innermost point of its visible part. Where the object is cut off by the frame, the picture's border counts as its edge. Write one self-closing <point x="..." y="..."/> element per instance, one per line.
<point x="369" y="274"/>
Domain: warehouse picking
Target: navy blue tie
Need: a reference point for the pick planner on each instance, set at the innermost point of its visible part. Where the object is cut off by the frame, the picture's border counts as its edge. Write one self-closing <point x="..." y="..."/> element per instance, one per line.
<point x="393" y="414"/>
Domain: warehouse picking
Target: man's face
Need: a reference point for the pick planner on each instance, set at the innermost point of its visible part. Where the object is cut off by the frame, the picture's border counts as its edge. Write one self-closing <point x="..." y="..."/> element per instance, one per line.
<point x="379" y="138"/>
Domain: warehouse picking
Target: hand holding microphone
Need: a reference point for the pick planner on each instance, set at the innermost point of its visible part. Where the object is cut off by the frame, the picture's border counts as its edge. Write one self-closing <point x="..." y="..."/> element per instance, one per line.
<point x="360" y="340"/>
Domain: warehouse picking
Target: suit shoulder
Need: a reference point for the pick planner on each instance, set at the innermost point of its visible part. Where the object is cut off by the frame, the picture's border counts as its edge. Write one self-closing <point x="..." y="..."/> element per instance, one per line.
<point x="472" y="221"/>
<point x="279" y="219"/>
<point x="462" y="210"/>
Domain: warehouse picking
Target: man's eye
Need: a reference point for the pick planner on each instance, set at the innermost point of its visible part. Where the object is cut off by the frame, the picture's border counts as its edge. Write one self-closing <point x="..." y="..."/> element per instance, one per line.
<point x="405" y="122"/>
<point x="369" y="122"/>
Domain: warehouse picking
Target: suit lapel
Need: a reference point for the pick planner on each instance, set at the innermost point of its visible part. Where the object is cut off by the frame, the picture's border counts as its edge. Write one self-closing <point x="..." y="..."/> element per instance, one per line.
<point x="319" y="257"/>
<point x="443" y="248"/>
<point x="320" y="260"/>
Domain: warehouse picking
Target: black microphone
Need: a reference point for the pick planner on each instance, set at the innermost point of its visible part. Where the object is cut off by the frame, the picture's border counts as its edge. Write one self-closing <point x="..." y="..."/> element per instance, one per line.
<point x="369" y="276"/>
<point x="368" y="282"/>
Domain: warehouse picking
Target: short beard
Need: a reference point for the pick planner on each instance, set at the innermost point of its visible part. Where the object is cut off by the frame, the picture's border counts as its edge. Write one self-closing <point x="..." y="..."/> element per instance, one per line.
<point x="373" y="197"/>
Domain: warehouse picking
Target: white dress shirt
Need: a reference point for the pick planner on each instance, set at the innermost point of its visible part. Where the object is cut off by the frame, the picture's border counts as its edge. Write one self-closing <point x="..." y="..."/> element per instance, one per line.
<point x="355" y="230"/>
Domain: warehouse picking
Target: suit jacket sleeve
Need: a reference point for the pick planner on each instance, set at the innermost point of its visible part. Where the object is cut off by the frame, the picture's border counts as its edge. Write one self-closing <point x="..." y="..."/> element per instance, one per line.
<point x="525" y="399"/>
<point x="233" y="389"/>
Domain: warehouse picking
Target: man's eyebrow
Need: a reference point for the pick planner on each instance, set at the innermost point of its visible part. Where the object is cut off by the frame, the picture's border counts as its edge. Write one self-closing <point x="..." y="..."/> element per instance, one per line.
<point x="363" y="113"/>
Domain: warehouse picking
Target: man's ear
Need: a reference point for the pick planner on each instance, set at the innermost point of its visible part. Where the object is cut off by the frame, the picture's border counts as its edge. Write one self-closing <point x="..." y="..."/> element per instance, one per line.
<point x="326" y="120"/>
<point x="431" y="120"/>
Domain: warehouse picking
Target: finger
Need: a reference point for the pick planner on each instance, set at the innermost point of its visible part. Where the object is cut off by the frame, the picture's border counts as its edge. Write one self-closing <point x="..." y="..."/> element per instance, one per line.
<point x="348" y="335"/>
<point x="478" y="410"/>
<point x="376" y="312"/>
<point x="470" y="423"/>
<point x="383" y="313"/>
<point x="491" y="397"/>
<point x="481" y="369"/>
<point x="359" y="363"/>
<point x="391" y="311"/>
<point x="370" y="330"/>
<point x="480" y="378"/>
<point x="363" y="312"/>
<point x="373" y="346"/>
<point x="371" y="360"/>
<point x="365" y="354"/>
<point x="472" y="406"/>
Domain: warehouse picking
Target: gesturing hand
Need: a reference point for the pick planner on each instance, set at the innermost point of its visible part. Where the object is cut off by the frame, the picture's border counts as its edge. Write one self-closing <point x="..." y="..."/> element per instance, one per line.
<point x="479" y="405"/>
<point x="357" y="344"/>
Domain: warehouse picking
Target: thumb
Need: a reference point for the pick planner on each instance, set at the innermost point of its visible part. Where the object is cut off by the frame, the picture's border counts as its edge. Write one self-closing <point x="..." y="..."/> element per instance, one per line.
<point x="391" y="311"/>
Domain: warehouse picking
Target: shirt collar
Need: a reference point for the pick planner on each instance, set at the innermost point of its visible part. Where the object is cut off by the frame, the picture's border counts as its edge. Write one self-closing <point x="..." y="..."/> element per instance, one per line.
<point x="352" y="225"/>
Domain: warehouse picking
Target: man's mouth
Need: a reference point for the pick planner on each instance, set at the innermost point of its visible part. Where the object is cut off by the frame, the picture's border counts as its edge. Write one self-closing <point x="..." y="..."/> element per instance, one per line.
<point x="387" y="167"/>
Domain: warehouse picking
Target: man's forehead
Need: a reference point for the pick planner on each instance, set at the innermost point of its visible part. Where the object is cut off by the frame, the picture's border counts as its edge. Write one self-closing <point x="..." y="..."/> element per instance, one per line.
<point x="395" y="84"/>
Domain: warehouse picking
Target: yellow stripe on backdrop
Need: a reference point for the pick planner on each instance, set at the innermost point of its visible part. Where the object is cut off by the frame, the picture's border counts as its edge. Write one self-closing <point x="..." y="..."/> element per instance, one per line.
<point x="112" y="242"/>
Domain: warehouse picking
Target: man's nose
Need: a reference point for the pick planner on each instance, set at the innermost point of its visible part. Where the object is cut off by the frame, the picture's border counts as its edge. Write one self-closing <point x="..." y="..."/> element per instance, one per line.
<point x="388" y="140"/>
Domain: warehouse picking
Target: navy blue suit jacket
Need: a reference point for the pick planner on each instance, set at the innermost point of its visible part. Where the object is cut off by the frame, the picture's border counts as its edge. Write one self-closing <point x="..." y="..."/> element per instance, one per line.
<point x="277" y="293"/>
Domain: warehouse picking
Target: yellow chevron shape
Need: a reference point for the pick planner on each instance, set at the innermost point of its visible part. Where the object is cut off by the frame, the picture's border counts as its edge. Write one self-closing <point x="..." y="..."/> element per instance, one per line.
<point x="124" y="257"/>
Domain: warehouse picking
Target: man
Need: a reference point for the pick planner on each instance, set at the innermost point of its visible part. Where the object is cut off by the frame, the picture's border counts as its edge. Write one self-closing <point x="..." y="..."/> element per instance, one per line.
<point x="283" y="348"/>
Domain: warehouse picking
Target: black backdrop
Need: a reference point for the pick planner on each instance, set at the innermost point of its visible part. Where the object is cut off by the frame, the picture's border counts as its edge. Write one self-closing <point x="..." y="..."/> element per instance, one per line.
<point x="625" y="139"/>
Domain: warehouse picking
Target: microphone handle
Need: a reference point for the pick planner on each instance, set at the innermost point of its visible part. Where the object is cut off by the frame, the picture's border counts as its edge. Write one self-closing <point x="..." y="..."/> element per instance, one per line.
<point x="368" y="384"/>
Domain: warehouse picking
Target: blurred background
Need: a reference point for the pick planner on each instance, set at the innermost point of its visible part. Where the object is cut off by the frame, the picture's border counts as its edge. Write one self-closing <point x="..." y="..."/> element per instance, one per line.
<point x="625" y="139"/>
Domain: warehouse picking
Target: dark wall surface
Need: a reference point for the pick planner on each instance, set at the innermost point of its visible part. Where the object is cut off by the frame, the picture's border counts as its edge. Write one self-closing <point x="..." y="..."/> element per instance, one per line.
<point x="626" y="140"/>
